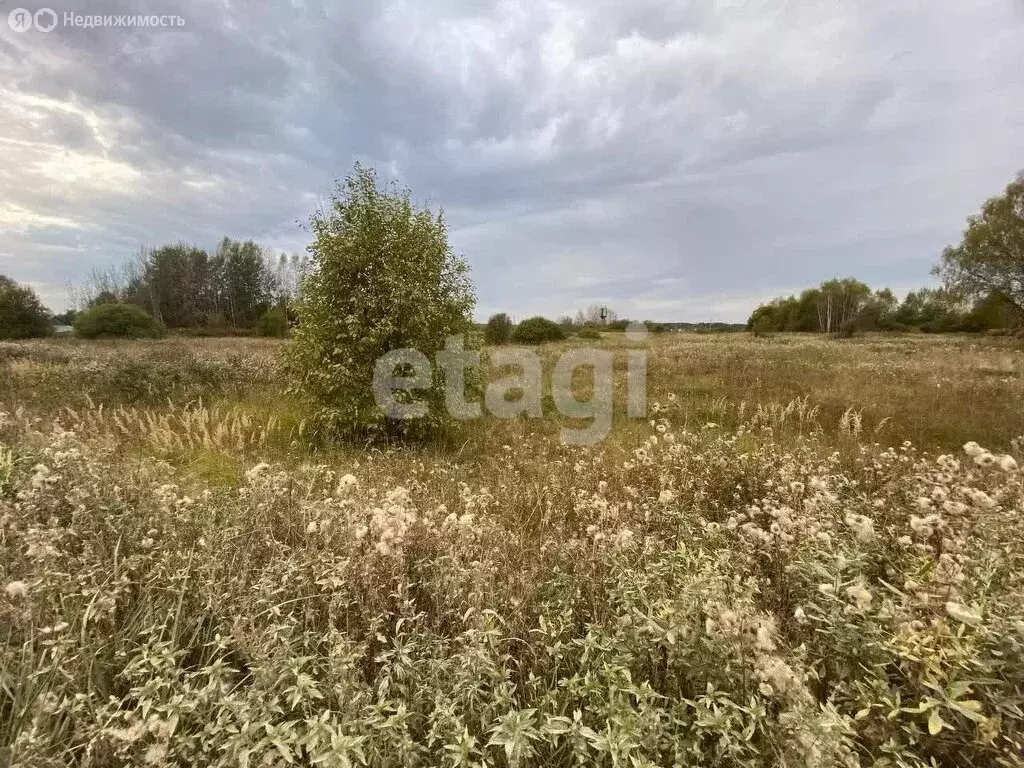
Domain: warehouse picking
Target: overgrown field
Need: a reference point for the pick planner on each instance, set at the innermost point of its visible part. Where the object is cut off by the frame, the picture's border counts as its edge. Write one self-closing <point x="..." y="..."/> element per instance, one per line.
<point x="809" y="554"/>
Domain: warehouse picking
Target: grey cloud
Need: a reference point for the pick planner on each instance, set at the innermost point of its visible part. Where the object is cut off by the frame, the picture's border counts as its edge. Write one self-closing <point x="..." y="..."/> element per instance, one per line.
<point x="680" y="159"/>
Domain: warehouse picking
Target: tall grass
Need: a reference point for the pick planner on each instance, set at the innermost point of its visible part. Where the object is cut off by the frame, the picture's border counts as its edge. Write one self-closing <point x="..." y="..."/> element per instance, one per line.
<point x="773" y="569"/>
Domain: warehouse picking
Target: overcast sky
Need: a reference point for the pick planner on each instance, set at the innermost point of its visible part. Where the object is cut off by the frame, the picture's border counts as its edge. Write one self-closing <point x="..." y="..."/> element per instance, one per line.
<point x="674" y="160"/>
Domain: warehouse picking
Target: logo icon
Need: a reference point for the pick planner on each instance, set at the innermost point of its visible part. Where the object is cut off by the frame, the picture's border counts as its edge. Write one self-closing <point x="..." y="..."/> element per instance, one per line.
<point x="20" y="20"/>
<point x="45" y="19"/>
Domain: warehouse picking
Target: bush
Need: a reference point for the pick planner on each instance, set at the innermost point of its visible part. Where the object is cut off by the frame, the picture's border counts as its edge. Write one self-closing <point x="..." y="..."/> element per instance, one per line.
<point x="273" y="322"/>
<point x="537" y="330"/>
<point x="117" y="321"/>
<point x="588" y="333"/>
<point x="498" y="329"/>
<point x="384" y="278"/>
<point x="22" y="315"/>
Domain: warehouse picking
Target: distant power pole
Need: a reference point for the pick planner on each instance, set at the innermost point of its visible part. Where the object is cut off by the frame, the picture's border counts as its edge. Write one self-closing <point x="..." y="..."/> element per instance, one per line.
<point x="604" y="315"/>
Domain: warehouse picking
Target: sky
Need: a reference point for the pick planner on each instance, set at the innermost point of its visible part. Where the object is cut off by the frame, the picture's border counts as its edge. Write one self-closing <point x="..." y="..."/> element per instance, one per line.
<point x="675" y="161"/>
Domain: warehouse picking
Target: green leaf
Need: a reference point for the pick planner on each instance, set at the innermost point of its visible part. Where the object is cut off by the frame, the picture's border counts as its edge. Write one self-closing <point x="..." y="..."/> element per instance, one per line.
<point x="935" y="722"/>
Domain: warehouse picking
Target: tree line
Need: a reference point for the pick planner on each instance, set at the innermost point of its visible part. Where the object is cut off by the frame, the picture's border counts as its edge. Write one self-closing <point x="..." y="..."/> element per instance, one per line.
<point x="184" y="286"/>
<point x="982" y="286"/>
<point x="847" y="305"/>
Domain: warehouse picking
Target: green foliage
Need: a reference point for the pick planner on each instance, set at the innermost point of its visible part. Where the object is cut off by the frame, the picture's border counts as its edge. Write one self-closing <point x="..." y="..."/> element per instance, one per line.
<point x="117" y="321"/>
<point x="243" y="283"/>
<point x="384" y="278"/>
<point x="498" y="329"/>
<point x="22" y="315"/>
<point x="588" y="333"/>
<point x="847" y="306"/>
<point x="537" y="330"/>
<point x="273" y="322"/>
<point x="990" y="256"/>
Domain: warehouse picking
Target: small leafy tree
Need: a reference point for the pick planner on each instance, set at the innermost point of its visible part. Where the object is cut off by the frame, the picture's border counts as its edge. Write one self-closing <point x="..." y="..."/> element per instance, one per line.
<point x="383" y="277"/>
<point x="22" y="315"/>
<point x="499" y="329"/>
<point x="537" y="330"/>
<point x="117" y="321"/>
<point x="990" y="257"/>
<point x="273" y="322"/>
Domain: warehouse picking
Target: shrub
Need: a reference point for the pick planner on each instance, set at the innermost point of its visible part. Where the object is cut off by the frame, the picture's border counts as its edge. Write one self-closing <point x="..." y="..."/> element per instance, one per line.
<point x="22" y="315"/>
<point x="537" y="330"/>
<point x="117" y="321"/>
<point x="384" y="278"/>
<point x="847" y="330"/>
<point x="498" y="329"/>
<point x="588" y="333"/>
<point x="273" y="322"/>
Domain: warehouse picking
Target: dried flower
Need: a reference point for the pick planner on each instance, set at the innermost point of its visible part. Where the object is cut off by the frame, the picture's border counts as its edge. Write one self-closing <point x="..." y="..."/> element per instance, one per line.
<point x="16" y="590"/>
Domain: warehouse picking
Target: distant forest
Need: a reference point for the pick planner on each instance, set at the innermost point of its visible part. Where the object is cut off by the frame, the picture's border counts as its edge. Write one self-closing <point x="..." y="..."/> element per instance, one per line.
<point x="184" y="286"/>
<point x="848" y="305"/>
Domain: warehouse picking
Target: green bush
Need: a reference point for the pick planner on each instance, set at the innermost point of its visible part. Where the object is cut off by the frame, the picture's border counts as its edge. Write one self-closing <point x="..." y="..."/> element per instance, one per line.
<point x="273" y="322"/>
<point x="384" y="279"/>
<point x="117" y="321"/>
<point x="537" y="330"/>
<point x="588" y="333"/>
<point x="498" y="329"/>
<point x="22" y="315"/>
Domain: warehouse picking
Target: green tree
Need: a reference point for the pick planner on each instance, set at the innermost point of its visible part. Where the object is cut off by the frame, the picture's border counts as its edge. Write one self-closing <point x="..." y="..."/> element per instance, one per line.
<point x="765" y="319"/>
<point x="931" y="309"/>
<point x="878" y="310"/>
<point x="383" y="278"/>
<point x="990" y="256"/>
<point x="22" y="315"/>
<point x="498" y="329"/>
<point x="243" y="280"/>
<point x="537" y="330"/>
<point x="991" y="312"/>
<point x="273" y="322"/>
<point x="117" y="321"/>
<point x="174" y="285"/>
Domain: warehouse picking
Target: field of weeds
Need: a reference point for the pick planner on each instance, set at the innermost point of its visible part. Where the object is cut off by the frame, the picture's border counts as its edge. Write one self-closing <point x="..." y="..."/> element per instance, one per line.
<point x="809" y="554"/>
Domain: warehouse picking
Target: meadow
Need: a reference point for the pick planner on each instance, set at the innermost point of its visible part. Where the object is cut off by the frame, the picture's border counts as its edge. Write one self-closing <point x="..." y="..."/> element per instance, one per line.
<point x="808" y="554"/>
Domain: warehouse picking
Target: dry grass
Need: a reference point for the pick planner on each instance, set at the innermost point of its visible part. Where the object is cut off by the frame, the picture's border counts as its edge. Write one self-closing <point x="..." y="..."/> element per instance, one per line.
<point x="793" y="561"/>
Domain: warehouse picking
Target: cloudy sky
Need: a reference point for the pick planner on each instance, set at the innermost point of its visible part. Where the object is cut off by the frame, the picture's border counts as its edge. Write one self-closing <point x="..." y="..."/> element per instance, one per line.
<point x="674" y="160"/>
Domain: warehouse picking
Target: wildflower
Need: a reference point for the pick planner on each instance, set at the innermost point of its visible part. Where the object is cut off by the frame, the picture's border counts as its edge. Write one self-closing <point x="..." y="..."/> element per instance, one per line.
<point x="16" y="589"/>
<point x="256" y="472"/>
<point x="311" y="527"/>
<point x="800" y="615"/>
<point x="861" y="526"/>
<point x="924" y="526"/>
<point x="156" y="753"/>
<point x="1007" y="463"/>
<point x="984" y="459"/>
<point x="973" y="449"/>
<point x="860" y="594"/>
<point x="963" y="614"/>
<point x="666" y="497"/>
<point x="347" y="483"/>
